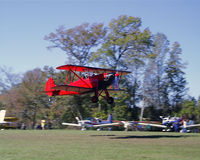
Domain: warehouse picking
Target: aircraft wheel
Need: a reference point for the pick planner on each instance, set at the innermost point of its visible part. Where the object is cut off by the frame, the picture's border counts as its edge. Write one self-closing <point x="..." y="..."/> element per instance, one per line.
<point x="95" y="99"/>
<point x="110" y="100"/>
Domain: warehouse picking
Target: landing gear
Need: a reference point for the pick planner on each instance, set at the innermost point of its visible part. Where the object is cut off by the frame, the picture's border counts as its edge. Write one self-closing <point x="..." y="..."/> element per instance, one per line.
<point x="110" y="100"/>
<point x="95" y="99"/>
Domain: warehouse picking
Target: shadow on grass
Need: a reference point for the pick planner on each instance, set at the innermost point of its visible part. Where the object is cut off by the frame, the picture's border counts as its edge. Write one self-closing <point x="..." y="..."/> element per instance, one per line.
<point x="151" y="136"/>
<point x="109" y="135"/>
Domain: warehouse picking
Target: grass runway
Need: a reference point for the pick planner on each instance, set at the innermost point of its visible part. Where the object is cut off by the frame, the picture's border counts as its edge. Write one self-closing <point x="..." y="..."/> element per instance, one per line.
<point x="97" y="145"/>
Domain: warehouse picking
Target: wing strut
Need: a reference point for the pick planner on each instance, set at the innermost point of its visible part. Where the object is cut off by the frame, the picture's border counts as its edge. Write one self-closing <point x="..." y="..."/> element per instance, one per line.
<point x="80" y="78"/>
<point x="68" y="75"/>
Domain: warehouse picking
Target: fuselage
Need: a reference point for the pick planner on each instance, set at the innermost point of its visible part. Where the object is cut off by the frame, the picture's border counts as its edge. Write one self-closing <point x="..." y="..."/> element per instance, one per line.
<point x="100" y="81"/>
<point x="170" y="120"/>
<point x="90" y="122"/>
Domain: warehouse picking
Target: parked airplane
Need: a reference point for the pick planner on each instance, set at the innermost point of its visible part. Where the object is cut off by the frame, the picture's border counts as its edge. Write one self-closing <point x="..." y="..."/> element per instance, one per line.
<point x="91" y="122"/>
<point x="175" y="124"/>
<point x="2" y="116"/>
<point x="99" y="123"/>
<point x="131" y="125"/>
<point x="7" y="122"/>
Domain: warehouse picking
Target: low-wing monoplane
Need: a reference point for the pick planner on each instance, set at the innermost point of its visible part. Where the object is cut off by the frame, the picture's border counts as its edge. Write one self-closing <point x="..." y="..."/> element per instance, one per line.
<point x="96" y="80"/>
<point x="131" y="125"/>
<point x="175" y="124"/>
<point x="91" y="123"/>
<point x="99" y="123"/>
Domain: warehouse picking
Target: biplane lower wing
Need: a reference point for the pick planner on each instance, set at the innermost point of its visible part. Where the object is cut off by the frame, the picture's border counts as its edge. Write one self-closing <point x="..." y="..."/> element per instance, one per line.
<point x="72" y="88"/>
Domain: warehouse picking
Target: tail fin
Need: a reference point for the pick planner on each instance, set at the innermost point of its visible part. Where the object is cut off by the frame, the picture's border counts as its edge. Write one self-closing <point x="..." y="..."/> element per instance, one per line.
<point x="77" y="119"/>
<point x="2" y="115"/>
<point x="49" y="85"/>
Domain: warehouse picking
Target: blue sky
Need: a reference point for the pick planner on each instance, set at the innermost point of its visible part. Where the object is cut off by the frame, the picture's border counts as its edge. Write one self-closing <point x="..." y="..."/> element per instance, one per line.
<point x="24" y="23"/>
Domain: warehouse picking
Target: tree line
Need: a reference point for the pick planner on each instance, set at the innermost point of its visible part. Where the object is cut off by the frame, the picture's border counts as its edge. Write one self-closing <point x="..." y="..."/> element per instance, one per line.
<point x="157" y="85"/>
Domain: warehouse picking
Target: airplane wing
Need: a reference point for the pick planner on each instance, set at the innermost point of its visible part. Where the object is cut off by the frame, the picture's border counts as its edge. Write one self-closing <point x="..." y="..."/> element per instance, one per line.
<point x="71" y="124"/>
<point x="153" y="125"/>
<point x="107" y="125"/>
<point x="72" y="88"/>
<point x="91" y="69"/>
<point x="11" y="119"/>
<point x="192" y="126"/>
<point x="2" y="116"/>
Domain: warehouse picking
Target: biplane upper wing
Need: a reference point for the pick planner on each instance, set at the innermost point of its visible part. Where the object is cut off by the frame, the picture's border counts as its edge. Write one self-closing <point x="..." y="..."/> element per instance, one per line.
<point x="91" y="69"/>
<point x="72" y="88"/>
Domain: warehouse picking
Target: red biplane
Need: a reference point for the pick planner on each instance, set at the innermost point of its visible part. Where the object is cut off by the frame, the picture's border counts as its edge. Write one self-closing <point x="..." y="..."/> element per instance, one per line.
<point x="93" y="79"/>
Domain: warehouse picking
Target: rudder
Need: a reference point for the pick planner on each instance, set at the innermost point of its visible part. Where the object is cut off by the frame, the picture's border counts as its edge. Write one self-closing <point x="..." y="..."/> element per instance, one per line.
<point x="49" y="85"/>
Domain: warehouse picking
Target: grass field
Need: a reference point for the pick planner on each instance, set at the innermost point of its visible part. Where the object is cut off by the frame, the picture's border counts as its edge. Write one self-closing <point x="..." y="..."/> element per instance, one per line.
<point x="97" y="145"/>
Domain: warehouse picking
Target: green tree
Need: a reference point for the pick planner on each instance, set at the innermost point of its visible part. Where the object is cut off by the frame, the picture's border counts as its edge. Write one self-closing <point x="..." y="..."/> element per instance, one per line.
<point x="79" y="42"/>
<point x="8" y="78"/>
<point x="30" y="98"/>
<point x="99" y="114"/>
<point x="175" y="75"/>
<point x="124" y="43"/>
<point x="155" y="93"/>
<point x="198" y="111"/>
<point x="154" y="76"/>
<point x="125" y="47"/>
<point x="1" y="105"/>
<point x="189" y="109"/>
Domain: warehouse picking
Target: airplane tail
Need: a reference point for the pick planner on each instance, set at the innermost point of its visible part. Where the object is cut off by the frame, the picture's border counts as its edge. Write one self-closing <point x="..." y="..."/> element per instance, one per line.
<point x="78" y="120"/>
<point x="48" y="88"/>
<point x="2" y="115"/>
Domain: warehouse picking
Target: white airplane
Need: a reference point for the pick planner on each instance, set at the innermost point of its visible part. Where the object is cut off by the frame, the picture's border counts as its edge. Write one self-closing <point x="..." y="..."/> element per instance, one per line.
<point x="7" y="122"/>
<point x="2" y="116"/>
<point x="98" y="123"/>
<point x="134" y="124"/>
<point x="169" y="124"/>
<point x="90" y="122"/>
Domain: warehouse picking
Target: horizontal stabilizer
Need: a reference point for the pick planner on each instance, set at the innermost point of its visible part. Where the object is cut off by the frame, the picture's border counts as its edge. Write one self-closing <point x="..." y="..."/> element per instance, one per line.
<point x="72" y="88"/>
